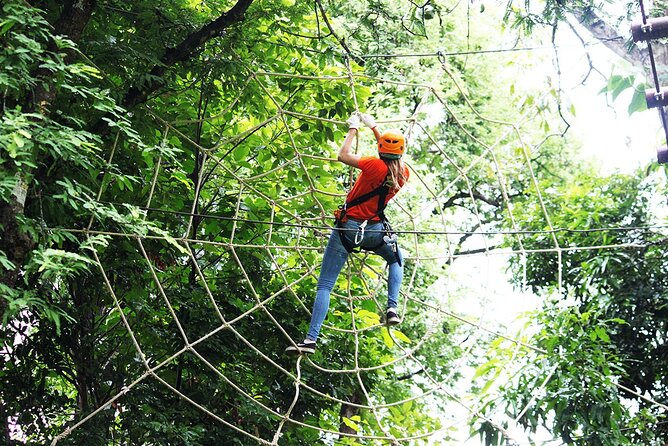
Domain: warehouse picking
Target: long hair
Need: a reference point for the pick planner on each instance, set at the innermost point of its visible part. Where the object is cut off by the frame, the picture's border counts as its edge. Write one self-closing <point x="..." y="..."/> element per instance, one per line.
<point x="396" y="172"/>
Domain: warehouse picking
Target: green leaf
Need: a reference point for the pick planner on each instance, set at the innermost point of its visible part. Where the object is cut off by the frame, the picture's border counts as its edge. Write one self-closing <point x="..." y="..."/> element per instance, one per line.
<point x="602" y="334"/>
<point x="619" y="85"/>
<point x="638" y="102"/>
<point x="402" y="337"/>
<point x="241" y="152"/>
<point x="485" y="367"/>
<point x="351" y="424"/>
<point x="329" y="133"/>
<point x="387" y="339"/>
<point x="5" y="262"/>
<point x="6" y="25"/>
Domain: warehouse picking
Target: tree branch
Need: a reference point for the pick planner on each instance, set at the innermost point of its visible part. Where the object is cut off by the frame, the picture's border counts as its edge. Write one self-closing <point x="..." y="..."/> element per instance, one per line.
<point x="410" y="375"/>
<point x="183" y="50"/>
<point x="609" y="36"/>
<point x="559" y="89"/>
<point x="474" y="251"/>
<point x="466" y="236"/>
<point x="476" y="195"/>
<point x="342" y="42"/>
<point x="587" y="54"/>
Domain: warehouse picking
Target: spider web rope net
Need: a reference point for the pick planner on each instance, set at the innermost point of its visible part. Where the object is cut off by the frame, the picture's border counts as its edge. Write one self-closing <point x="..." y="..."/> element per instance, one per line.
<point x="290" y="227"/>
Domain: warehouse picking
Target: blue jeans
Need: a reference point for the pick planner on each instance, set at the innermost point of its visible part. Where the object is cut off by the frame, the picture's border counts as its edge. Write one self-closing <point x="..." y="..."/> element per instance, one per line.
<point x="335" y="257"/>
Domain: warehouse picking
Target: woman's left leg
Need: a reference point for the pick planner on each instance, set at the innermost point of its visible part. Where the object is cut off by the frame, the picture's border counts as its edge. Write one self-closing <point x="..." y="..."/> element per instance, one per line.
<point x="332" y="262"/>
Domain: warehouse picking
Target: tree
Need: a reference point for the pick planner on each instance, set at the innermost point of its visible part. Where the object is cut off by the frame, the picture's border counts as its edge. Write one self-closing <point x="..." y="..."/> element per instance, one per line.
<point x="141" y="269"/>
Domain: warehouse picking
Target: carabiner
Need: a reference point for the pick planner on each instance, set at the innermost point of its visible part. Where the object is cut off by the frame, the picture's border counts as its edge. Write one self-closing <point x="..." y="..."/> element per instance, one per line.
<point x="359" y="235"/>
<point x="392" y="241"/>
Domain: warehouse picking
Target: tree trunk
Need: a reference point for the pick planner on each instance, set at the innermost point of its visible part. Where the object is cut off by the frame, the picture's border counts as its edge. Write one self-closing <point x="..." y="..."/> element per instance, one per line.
<point x="72" y="21"/>
<point x="6" y="438"/>
<point x="609" y="36"/>
<point x="83" y="353"/>
<point x="15" y="243"/>
<point x="349" y="411"/>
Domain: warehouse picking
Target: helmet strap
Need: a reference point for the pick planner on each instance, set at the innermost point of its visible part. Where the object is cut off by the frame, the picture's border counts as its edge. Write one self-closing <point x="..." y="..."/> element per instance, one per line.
<point x="389" y="156"/>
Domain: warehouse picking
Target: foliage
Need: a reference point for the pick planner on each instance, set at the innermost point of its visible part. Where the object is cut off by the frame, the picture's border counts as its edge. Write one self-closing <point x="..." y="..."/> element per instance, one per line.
<point x="43" y="146"/>
<point x="603" y="325"/>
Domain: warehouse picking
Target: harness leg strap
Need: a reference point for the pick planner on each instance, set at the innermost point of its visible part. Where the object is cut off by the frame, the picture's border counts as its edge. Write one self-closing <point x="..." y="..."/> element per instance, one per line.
<point x="344" y="241"/>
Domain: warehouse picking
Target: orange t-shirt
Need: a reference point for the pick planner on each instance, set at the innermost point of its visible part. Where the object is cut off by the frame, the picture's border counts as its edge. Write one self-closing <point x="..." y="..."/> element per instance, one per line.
<point x="374" y="171"/>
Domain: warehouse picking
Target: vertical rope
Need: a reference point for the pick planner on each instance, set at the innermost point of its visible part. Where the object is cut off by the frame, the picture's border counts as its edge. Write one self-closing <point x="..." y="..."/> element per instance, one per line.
<point x="104" y="177"/>
<point x="351" y="80"/>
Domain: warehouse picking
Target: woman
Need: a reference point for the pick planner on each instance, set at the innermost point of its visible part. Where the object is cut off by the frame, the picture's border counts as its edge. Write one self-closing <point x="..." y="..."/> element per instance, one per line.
<point x="361" y="223"/>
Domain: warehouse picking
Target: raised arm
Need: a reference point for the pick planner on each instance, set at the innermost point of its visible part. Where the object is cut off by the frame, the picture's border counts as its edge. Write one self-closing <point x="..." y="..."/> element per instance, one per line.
<point x="345" y="155"/>
<point x="376" y="133"/>
<point x="370" y="122"/>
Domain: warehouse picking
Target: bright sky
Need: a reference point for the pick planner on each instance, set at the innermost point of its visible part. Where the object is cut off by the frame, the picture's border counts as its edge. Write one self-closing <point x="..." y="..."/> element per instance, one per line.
<point x="609" y="135"/>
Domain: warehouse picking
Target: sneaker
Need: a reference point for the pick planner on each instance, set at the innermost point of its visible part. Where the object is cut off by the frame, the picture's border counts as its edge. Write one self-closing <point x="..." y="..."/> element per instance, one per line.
<point x="303" y="348"/>
<point x="391" y="317"/>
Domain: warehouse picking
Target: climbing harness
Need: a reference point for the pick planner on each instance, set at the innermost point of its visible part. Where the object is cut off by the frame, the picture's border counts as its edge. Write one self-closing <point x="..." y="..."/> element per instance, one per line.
<point x="389" y="238"/>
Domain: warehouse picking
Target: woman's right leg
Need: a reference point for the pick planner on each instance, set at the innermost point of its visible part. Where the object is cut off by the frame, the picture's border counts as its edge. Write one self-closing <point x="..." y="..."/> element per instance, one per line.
<point x="333" y="260"/>
<point x="394" y="278"/>
<point x="395" y="263"/>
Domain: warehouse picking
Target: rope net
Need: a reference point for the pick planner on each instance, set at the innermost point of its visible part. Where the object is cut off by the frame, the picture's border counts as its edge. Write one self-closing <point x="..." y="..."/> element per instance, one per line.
<point x="272" y="226"/>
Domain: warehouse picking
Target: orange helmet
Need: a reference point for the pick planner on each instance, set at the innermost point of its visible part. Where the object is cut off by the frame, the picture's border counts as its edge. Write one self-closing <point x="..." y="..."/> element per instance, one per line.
<point x="391" y="144"/>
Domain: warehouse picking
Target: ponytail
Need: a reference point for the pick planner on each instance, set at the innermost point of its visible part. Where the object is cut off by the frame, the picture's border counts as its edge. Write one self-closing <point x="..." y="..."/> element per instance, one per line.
<point x="396" y="172"/>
